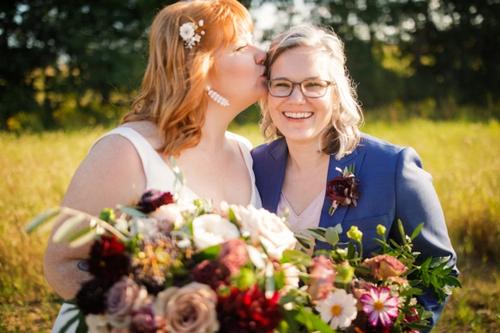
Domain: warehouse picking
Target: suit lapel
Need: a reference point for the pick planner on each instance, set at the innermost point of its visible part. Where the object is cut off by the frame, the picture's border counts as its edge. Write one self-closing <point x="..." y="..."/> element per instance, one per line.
<point x="356" y="158"/>
<point x="279" y="153"/>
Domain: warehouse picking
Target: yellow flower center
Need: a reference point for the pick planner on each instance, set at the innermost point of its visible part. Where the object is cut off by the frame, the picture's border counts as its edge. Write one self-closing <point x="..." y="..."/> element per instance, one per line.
<point x="378" y="306"/>
<point x="336" y="310"/>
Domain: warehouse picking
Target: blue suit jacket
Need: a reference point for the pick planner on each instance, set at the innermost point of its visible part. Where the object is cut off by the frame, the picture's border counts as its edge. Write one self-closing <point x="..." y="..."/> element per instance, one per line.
<point x="392" y="185"/>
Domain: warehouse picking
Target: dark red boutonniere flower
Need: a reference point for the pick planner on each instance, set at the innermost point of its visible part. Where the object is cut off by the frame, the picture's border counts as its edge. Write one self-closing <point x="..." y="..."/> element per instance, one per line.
<point x="152" y="199"/>
<point x="343" y="190"/>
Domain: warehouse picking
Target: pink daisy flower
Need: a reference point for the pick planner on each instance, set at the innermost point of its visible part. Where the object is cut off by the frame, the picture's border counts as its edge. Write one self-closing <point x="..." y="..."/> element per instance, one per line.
<point x="380" y="306"/>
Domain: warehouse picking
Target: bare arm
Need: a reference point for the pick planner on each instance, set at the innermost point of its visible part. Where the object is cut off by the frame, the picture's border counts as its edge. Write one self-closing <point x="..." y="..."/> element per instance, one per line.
<point x="111" y="174"/>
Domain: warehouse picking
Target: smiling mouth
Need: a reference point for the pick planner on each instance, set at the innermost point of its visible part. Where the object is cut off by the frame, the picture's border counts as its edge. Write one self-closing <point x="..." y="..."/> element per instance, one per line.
<point x="298" y="115"/>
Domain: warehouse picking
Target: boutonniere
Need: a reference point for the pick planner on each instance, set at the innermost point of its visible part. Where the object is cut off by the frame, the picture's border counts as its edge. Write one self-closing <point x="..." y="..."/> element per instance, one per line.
<point x="343" y="190"/>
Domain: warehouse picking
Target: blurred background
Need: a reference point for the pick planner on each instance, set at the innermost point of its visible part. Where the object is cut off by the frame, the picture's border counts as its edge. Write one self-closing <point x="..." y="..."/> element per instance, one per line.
<point x="427" y="75"/>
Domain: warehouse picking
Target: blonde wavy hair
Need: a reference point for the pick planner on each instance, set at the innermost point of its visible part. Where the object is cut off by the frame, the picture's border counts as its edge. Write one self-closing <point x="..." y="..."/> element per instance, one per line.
<point x="172" y="94"/>
<point x="343" y="134"/>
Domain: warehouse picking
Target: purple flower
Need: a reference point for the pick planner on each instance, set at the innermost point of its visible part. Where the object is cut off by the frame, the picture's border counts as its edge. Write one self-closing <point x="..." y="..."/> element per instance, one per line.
<point x="380" y="306"/>
<point x="143" y="320"/>
<point x="124" y="297"/>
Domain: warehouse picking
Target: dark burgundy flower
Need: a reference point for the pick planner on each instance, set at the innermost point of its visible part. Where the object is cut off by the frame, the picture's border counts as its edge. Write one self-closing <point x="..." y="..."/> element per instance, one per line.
<point x="91" y="298"/>
<point x="233" y="255"/>
<point x="342" y="191"/>
<point x="212" y="273"/>
<point x="245" y="311"/>
<point x="153" y="199"/>
<point x="143" y="321"/>
<point x="108" y="259"/>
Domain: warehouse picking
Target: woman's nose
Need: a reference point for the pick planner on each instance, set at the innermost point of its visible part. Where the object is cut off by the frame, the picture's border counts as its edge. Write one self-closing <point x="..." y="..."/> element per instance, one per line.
<point x="260" y="56"/>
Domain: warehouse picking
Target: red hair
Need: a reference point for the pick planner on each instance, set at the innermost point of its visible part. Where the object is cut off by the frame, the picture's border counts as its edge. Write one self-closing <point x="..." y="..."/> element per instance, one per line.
<point x="172" y="94"/>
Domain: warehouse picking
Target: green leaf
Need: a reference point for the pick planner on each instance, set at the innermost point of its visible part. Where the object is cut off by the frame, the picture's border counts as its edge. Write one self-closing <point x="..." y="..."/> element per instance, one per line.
<point x="82" y="237"/>
<point x="42" y="219"/>
<point x="232" y="215"/>
<point x="209" y="253"/>
<point x="246" y="278"/>
<point x="417" y="231"/>
<point x="332" y="236"/>
<point x="131" y="211"/>
<point x="402" y="232"/>
<point x="296" y="257"/>
<point x="313" y="322"/>
<point x="67" y="228"/>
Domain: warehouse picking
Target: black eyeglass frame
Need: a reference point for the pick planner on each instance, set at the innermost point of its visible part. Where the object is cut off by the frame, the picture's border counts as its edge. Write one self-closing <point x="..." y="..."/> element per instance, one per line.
<point x="328" y="84"/>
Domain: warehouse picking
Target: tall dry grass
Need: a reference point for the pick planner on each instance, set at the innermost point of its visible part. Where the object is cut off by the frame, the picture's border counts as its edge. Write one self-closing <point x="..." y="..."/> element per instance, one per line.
<point x="464" y="159"/>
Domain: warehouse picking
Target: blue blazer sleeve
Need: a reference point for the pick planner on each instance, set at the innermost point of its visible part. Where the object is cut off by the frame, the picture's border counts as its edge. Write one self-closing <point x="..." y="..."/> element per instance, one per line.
<point x="417" y="202"/>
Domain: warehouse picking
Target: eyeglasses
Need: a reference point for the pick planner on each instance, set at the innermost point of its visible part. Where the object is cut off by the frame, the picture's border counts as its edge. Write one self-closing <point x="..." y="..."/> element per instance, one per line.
<point x="312" y="88"/>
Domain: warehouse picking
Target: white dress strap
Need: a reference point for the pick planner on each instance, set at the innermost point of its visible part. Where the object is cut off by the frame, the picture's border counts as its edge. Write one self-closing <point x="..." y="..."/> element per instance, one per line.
<point x="157" y="173"/>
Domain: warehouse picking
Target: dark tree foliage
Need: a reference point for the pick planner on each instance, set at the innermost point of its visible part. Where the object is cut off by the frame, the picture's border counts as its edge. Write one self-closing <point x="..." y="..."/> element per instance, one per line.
<point x="95" y="46"/>
<point x="57" y="56"/>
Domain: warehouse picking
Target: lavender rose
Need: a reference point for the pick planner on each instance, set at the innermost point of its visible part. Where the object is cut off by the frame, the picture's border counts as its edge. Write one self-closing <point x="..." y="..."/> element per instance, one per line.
<point x="191" y="308"/>
<point x="124" y="297"/>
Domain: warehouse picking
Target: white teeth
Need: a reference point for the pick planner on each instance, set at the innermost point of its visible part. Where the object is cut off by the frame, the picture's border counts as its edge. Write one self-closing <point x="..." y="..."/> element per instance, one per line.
<point x="298" y="115"/>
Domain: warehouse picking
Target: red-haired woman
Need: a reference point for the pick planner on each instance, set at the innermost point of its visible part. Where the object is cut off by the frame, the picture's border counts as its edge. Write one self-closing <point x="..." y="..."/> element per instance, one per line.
<point x="203" y="70"/>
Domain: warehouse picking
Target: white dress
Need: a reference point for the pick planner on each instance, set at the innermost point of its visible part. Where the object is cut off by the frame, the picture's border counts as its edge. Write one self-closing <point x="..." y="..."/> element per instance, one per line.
<point x="160" y="176"/>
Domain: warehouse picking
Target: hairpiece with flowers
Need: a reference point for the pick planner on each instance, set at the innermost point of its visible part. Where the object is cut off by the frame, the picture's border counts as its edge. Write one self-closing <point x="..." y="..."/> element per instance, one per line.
<point x="191" y="33"/>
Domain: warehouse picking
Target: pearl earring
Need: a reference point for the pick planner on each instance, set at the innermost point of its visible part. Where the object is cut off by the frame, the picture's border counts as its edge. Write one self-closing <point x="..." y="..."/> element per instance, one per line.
<point x="216" y="97"/>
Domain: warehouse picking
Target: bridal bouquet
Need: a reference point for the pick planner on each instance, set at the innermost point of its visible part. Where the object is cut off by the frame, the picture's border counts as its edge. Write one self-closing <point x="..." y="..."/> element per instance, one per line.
<point x="165" y="266"/>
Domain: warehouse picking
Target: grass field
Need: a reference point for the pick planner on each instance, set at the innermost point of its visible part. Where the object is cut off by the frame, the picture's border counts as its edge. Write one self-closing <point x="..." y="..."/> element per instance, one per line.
<point x="464" y="159"/>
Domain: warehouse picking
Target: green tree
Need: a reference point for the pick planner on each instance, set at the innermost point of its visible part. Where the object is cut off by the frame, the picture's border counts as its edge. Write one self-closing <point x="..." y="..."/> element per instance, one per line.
<point x="53" y="50"/>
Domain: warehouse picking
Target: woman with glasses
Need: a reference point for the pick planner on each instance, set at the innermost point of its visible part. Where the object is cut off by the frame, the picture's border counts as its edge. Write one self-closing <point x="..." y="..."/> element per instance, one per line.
<point x="312" y="113"/>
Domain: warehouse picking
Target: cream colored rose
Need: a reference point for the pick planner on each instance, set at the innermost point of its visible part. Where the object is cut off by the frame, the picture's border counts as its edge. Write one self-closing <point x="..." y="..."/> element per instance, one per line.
<point x="170" y="213"/>
<point x="97" y="323"/>
<point x="191" y="308"/>
<point x="268" y="229"/>
<point x="212" y="229"/>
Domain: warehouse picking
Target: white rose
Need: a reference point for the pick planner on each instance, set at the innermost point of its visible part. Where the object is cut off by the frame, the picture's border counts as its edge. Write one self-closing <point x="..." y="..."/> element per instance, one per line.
<point x="97" y="323"/>
<point x="147" y="227"/>
<point x="170" y="213"/>
<point x="212" y="229"/>
<point x="256" y="257"/>
<point x="268" y="229"/>
<point x="292" y="275"/>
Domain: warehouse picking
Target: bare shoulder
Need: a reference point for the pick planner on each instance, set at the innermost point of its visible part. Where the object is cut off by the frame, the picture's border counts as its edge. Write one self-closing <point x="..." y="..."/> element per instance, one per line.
<point x="110" y="174"/>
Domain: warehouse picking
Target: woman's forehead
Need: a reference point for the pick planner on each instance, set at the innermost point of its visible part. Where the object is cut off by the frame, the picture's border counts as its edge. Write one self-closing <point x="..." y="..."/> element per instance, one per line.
<point x="301" y="62"/>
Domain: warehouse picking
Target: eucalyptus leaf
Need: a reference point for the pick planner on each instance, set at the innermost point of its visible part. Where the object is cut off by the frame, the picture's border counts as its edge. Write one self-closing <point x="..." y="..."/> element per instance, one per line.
<point x="131" y="211"/>
<point x="82" y="237"/>
<point x="67" y="227"/>
<point x="332" y="236"/>
<point x="42" y="219"/>
<point x="296" y="257"/>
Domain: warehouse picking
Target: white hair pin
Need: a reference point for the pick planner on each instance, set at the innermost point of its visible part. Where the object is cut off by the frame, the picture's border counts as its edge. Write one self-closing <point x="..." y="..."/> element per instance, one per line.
<point x="191" y="34"/>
